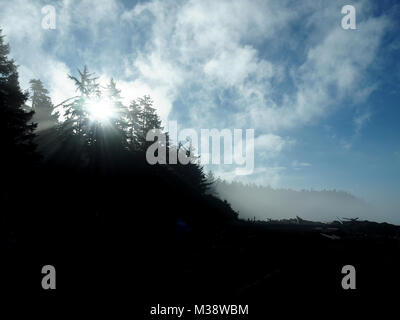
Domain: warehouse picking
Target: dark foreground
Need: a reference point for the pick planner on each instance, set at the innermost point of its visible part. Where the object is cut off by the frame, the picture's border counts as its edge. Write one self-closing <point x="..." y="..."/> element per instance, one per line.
<point x="265" y="266"/>
<point x="127" y="238"/>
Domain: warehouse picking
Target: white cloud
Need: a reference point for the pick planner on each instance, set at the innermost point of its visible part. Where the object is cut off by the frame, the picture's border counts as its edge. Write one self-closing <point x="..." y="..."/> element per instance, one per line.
<point x="269" y="145"/>
<point x="212" y="45"/>
<point x="333" y="74"/>
<point x="224" y="64"/>
<point x="203" y="43"/>
<point x="298" y="164"/>
<point x="162" y="98"/>
<point x="360" y="120"/>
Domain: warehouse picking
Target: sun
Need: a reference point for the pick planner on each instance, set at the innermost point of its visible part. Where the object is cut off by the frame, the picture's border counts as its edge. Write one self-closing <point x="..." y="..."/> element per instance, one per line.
<point x="100" y="109"/>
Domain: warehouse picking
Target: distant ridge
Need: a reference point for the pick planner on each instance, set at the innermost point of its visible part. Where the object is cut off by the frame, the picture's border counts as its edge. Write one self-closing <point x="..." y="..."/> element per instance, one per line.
<point x="263" y="203"/>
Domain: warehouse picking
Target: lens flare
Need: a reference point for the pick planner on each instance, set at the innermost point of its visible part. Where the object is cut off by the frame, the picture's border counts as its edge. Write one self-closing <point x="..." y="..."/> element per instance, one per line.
<point x="100" y="109"/>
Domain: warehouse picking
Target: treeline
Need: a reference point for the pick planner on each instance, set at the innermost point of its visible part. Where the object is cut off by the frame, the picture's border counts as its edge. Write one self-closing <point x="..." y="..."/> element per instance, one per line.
<point x="82" y="163"/>
<point x="97" y="121"/>
<point x="264" y="202"/>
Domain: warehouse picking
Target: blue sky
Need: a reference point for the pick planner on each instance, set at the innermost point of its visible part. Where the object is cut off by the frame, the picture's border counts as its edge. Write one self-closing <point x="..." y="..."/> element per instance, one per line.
<point x="323" y="100"/>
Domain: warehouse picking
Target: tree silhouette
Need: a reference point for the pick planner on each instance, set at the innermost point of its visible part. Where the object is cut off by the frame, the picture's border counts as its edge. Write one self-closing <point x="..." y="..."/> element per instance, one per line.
<point x="142" y="118"/>
<point x="76" y="113"/>
<point x="118" y="117"/>
<point x="115" y="128"/>
<point x="211" y="180"/>
<point x="148" y="117"/>
<point x="95" y="121"/>
<point x="133" y="116"/>
<point x="191" y="171"/>
<point x="16" y="128"/>
<point x="42" y="105"/>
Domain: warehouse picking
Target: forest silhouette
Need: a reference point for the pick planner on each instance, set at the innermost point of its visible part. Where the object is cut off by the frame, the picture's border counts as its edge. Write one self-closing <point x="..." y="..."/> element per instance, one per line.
<point x="78" y="193"/>
<point x="81" y="185"/>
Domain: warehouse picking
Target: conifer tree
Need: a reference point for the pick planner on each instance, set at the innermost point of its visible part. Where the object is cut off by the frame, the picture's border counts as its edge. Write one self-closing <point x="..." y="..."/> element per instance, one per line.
<point x="192" y="172"/>
<point x="76" y="114"/>
<point x="115" y="128"/>
<point x="95" y="121"/>
<point x="212" y="183"/>
<point x="149" y="118"/>
<point x="142" y="118"/>
<point x="42" y="105"/>
<point x="133" y="125"/>
<point x="80" y="135"/>
<point x="16" y="127"/>
<point x="119" y="112"/>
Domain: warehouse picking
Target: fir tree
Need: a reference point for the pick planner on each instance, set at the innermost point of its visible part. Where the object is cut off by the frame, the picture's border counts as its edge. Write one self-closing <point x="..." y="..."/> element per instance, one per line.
<point x="212" y="182"/>
<point x="142" y="118"/>
<point x="81" y="136"/>
<point x="115" y="127"/>
<point x="119" y="112"/>
<point x="133" y="128"/>
<point x="16" y="127"/>
<point x="76" y="114"/>
<point x="191" y="171"/>
<point x="42" y="105"/>
<point x="149" y="118"/>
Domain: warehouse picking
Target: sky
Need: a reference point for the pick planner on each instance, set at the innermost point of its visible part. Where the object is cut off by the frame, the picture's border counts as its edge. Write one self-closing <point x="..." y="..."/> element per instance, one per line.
<point x="323" y="101"/>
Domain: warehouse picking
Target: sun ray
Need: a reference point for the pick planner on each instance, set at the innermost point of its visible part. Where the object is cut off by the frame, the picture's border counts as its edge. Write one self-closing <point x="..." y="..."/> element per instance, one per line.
<point x="100" y="109"/>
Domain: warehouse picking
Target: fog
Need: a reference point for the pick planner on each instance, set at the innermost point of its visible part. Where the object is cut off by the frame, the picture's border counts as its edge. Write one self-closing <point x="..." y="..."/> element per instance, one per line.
<point x="264" y="203"/>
